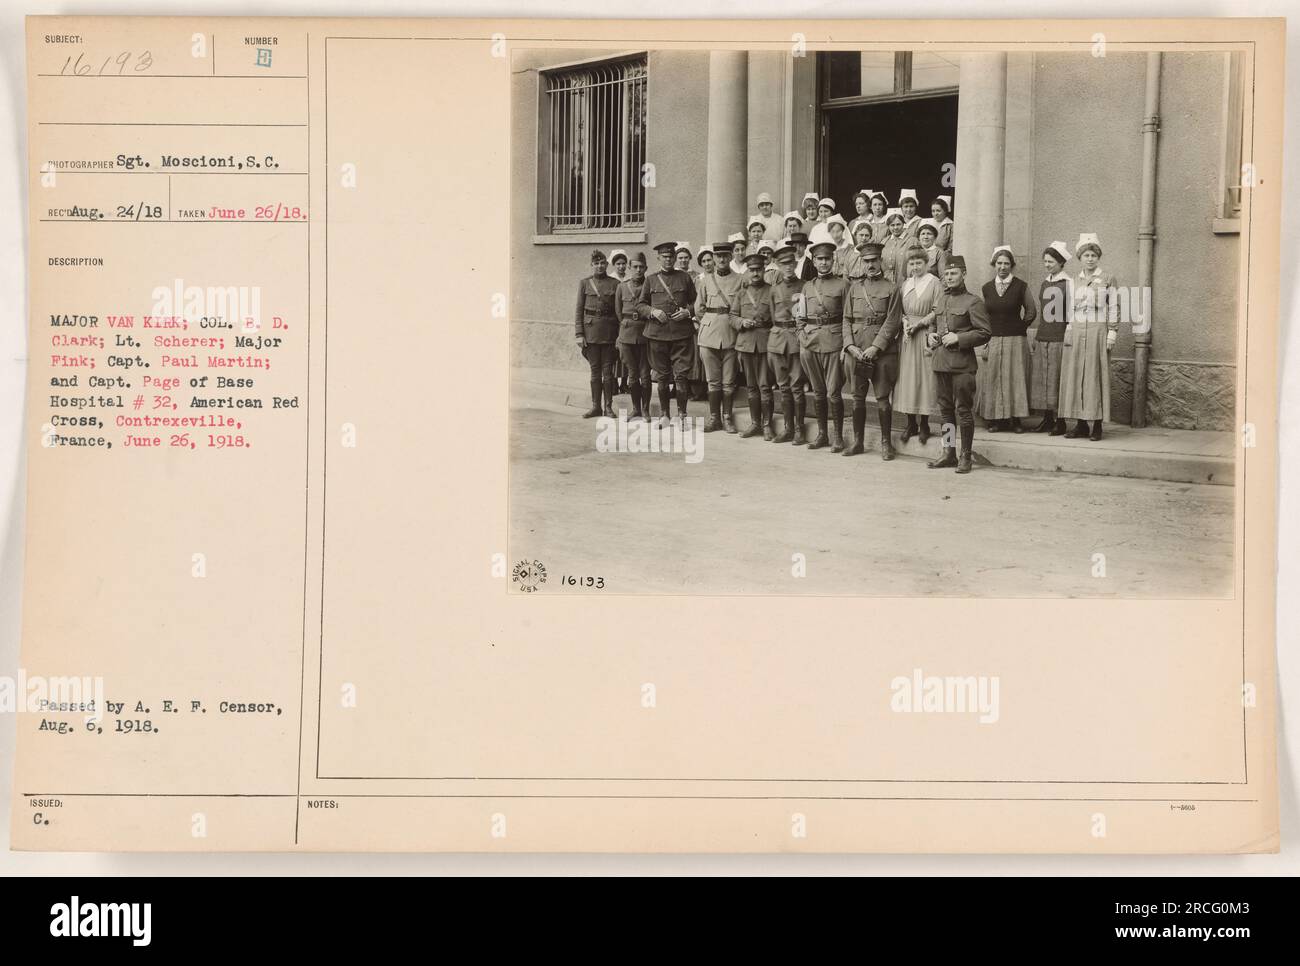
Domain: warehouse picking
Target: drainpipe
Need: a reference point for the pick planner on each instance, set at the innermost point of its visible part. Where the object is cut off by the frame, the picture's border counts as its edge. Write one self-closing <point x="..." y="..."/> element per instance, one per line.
<point x="1146" y="237"/>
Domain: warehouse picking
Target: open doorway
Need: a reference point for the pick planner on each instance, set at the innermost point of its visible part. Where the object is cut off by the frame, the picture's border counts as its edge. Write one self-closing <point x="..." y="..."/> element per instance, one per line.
<point x="888" y="122"/>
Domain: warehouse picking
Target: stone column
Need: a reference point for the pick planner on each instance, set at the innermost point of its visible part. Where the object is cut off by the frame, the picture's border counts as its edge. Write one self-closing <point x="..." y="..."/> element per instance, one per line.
<point x="769" y="114"/>
<point x="727" y="172"/>
<point x="981" y="159"/>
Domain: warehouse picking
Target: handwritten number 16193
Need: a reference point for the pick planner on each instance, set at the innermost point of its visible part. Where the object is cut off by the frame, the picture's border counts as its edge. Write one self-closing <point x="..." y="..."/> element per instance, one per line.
<point x="82" y="67"/>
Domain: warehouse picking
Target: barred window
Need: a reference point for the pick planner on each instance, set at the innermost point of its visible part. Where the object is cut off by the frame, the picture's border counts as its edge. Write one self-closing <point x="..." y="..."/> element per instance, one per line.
<point x="596" y="118"/>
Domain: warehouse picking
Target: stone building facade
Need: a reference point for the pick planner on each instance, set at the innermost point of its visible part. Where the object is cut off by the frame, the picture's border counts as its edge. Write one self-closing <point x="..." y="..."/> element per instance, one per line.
<point x="1143" y="149"/>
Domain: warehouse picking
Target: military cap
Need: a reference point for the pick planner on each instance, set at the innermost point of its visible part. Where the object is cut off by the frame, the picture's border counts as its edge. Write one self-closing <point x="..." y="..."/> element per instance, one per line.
<point x="956" y="261"/>
<point x="872" y="250"/>
<point x="666" y="248"/>
<point x="756" y="260"/>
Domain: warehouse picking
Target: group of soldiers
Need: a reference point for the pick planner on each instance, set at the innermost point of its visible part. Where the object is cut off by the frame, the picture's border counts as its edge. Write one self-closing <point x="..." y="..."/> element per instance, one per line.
<point x="803" y="314"/>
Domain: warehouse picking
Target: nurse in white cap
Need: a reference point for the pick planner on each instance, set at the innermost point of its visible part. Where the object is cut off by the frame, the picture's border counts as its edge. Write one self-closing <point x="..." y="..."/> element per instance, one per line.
<point x="773" y="224"/>
<point x="1089" y="338"/>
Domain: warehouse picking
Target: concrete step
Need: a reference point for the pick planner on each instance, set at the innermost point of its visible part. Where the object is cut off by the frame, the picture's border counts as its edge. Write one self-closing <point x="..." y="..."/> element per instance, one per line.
<point x="1151" y="453"/>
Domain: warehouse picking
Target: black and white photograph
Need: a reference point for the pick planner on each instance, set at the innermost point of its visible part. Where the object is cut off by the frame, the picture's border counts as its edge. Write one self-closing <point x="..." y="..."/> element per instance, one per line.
<point x="877" y="322"/>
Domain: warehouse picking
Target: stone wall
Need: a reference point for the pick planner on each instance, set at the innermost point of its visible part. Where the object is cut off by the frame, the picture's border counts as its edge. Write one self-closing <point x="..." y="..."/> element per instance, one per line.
<point x="1180" y="395"/>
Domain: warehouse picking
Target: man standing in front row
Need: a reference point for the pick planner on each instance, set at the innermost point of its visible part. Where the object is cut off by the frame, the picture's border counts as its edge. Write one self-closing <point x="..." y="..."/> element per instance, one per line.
<point x="632" y="347"/>
<point x="872" y="322"/>
<point x="962" y="325"/>
<point x="783" y="346"/>
<point x="753" y="320"/>
<point x="821" y="340"/>
<point x="716" y="295"/>
<point x="665" y="305"/>
<point x="595" y="331"/>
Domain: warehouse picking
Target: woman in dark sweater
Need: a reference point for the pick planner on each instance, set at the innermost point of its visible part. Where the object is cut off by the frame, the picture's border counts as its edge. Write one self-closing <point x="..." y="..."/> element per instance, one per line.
<point x="1045" y="351"/>
<point x="1004" y="394"/>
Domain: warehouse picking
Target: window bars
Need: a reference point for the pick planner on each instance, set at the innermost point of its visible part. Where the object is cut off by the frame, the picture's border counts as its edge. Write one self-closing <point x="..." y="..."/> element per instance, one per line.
<point x="596" y="119"/>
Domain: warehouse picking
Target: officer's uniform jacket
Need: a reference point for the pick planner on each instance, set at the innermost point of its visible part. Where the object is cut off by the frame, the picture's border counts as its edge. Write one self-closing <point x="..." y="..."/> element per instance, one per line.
<point x="957" y="310"/>
<point x="667" y="291"/>
<point x="873" y="315"/>
<point x="630" y="325"/>
<point x="755" y="306"/>
<point x="850" y="263"/>
<point x="715" y="306"/>
<point x="823" y="300"/>
<point x="594" y="318"/>
<point x="783" y="337"/>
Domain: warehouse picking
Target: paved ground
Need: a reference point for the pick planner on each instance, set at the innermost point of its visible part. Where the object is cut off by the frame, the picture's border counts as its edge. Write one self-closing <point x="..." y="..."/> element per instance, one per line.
<point x="730" y="523"/>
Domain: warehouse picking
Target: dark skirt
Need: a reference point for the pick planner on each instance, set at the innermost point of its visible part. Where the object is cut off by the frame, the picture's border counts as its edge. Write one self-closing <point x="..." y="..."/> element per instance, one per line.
<point x="1045" y="375"/>
<point x="1003" y="392"/>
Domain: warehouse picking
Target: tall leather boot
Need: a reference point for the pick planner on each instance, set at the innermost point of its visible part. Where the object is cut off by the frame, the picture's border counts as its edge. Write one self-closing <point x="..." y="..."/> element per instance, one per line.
<point x="715" y="411"/>
<point x="948" y="459"/>
<point x="665" y="405"/>
<point x="787" y="411"/>
<point x="596" y="388"/>
<point x="886" y="416"/>
<point x="610" y="386"/>
<point x="768" y="433"/>
<point x="683" y="396"/>
<point x="634" y="389"/>
<point x="967" y="440"/>
<point x="800" y="405"/>
<point x="728" y="417"/>
<point x="856" y="448"/>
<point x="646" y="392"/>
<point x="819" y="411"/>
<point x="755" y="413"/>
<point x="837" y="425"/>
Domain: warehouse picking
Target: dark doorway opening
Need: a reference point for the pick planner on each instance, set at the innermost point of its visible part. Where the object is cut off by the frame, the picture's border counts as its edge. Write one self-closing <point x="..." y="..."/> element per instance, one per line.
<point x="889" y="146"/>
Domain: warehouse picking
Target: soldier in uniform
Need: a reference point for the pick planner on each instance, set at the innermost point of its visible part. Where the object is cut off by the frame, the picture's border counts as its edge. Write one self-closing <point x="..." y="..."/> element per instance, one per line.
<point x="595" y="331"/>
<point x="753" y="320"/>
<point x="618" y="272"/>
<point x="716" y="297"/>
<point x="872" y="322"/>
<point x="665" y="304"/>
<point x="632" y="348"/>
<point x="682" y="262"/>
<point x="962" y="325"/>
<point x="783" y="346"/>
<point x="821" y="341"/>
